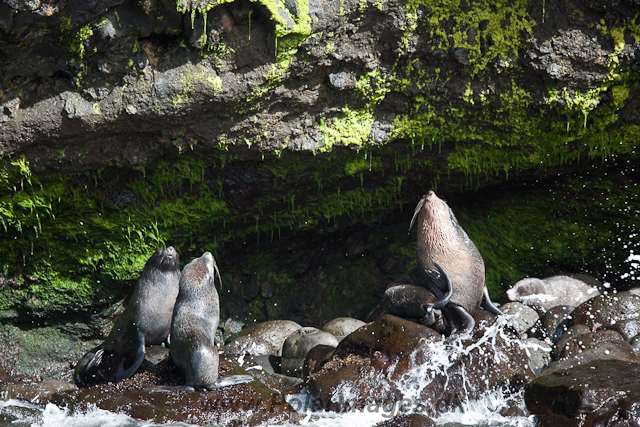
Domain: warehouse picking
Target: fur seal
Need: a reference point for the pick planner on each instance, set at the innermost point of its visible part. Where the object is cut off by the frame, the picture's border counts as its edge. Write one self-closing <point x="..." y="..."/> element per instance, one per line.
<point x="146" y="320"/>
<point x="449" y="264"/>
<point x="196" y="315"/>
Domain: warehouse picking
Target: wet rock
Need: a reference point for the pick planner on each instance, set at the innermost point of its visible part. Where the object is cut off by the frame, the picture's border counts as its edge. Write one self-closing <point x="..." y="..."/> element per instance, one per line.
<point x="609" y="311"/>
<point x="408" y="420"/>
<point x="539" y="353"/>
<point x="524" y="317"/>
<point x="571" y="54"/>
<point x="298" y="344"/>
<point x="391" y="359"/>
<point x="607" y="350"/>
<point x="237" y="405"/>
<point x="551" y="292"/>
<point x="571" y="333"/>
<point x="316" y="358"/>
<point x="262" y="339"/>
<point x="603" y="393"/>
<point x="629" y="328"/>
<point x="47" y="351"/>
<point x="579" y="343"/>
<point x="32" y="389"/>
<point x="283" y="384"/>
<point x="553" y="323"/>
<point x="155" y="354"/>
<point x="342" y="80"/>
<point x="461" y="55"/>
<point x="342" y="326"/>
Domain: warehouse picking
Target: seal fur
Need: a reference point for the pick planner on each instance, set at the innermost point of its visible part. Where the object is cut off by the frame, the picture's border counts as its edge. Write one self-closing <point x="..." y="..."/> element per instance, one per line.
<point x="443" y="242"/>
<point x="195" y="320"/>
<point x="146" y="320"/>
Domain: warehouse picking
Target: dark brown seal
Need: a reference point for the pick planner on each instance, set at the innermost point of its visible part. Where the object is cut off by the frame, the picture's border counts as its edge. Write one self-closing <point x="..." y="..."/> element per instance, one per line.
<point x="146" y="320"/>
<point x="445" y="249"/>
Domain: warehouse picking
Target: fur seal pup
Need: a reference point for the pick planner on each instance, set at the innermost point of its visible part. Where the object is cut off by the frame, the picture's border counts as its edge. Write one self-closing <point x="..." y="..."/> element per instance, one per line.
<point x="146" y="320"/>
<point x="193" y="326"/>
<point x="449" y="261"/>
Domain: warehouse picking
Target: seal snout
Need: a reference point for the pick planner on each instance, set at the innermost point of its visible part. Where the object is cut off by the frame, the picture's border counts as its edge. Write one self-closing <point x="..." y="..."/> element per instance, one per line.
<point x="212" y="266"/>
<point x="169" y="258"/>
<point x="430" y="196"/>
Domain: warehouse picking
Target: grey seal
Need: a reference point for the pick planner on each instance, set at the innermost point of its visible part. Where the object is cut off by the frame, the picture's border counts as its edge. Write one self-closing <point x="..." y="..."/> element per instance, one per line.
<point x="196" y="315"/>
<point x="146" y="320"/>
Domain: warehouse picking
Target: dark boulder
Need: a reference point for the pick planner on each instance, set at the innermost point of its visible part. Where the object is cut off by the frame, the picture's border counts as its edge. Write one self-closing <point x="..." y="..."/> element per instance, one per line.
<point x="607" y="350"/>
<point x="261" y="339"/>
<point x="408" y="420"/>
<point x="610" y="311"/>
<point x="600" y="393"/>
<point x="394" y="360"/>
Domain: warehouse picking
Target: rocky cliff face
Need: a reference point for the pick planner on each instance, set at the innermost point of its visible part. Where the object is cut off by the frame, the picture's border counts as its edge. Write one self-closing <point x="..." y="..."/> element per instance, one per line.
<point x="292" y="140"/>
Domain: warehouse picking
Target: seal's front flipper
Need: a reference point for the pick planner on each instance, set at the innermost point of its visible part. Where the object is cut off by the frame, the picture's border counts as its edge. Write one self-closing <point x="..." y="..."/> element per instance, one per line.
<point x="464" y="321"/>
<point x="132" y="360"/>
<point x="227" y="380"/>
<point x="440" y="279"/>
<point x="488" y="305"/>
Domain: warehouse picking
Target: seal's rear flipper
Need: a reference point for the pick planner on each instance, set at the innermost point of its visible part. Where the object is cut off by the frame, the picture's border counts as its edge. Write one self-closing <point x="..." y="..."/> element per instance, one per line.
<point x="86" y="371"/>
<point x="464" y="322"/>
<point x="228" y="380"/>
<point x="488" y="305"/>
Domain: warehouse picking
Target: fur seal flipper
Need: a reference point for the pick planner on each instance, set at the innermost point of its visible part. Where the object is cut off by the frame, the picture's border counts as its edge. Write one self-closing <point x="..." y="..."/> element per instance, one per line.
<point x="146" y="320"/>
<point x="488" y="305"/>
<point x="464" y="322"/>
<point x="195" y="320"/>
<point x="441" y="280"/>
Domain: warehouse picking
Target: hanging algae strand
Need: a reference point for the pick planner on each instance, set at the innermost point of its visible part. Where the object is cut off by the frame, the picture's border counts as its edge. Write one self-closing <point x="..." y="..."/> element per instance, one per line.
<point x="301" y="23"/>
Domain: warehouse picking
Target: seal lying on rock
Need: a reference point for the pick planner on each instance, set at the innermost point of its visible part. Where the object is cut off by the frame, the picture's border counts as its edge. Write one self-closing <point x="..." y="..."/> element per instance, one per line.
<point x="145" y="321"/>
<point x="450" y="268"/>
<point x="193" y="327"/>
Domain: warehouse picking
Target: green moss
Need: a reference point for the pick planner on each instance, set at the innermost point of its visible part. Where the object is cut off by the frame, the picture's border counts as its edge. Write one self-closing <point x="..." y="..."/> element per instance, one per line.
<point x="77" y="45"/>
<point x="450" y="25"/>
<point x="197" y="78"/>
<point x="349" y="128"/>
<point x="78" y="250"/>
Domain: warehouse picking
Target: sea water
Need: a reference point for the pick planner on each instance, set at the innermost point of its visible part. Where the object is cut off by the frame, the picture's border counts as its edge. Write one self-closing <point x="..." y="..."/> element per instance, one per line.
<point x="480" y="412"/>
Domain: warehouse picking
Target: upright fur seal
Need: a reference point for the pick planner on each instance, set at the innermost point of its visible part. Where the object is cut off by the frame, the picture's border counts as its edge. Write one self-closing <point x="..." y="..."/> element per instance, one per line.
<point x="193" y="327"/>
<point x="194" y="323"/>
<point x="145" y="321"/>
<point x="449" y="261"/>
